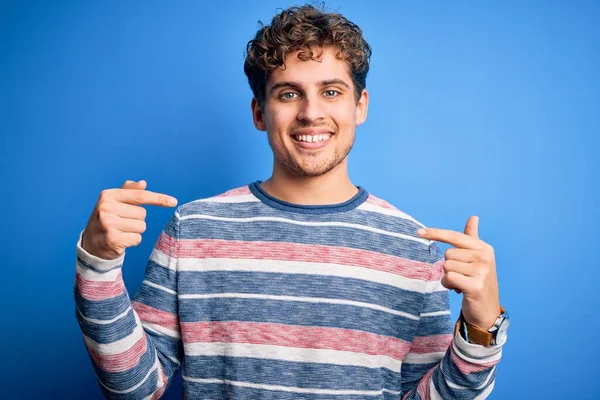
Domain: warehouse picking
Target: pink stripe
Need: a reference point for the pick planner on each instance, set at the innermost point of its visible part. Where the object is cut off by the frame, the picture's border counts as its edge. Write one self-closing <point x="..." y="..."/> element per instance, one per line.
<point x="431" y="344"/>
<point x="122" y="361"/>
<point x="236" y="192"/>
<point x="309" y="337"/>
<point x="99" y="290"/>
<point x="380" y="202"/>
<point x="424" y="384"/>
<point x="437" y="270"/>
<point x="160" y="392"/>
<point x="154" y="315"/>
<point x="213" y="248"/>
<point x="467" y="367"/>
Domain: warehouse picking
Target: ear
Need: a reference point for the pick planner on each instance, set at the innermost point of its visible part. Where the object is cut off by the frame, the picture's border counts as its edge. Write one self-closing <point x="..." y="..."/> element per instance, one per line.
<point x="257" y="115"/>
<point x="362" y="107"/>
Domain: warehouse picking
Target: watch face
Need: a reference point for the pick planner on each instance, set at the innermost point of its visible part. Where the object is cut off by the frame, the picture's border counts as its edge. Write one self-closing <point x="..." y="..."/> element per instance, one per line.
<point x="502" y="330"/>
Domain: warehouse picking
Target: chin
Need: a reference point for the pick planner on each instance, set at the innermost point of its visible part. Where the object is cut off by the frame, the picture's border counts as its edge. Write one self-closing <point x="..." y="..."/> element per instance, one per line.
<point x="312" y="173"/>
<point x="313" y="170"/>
<point x="312" y="165"/>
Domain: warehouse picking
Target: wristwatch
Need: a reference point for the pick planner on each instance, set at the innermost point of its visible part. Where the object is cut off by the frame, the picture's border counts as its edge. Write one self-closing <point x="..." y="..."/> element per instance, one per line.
<point x="472" y="334"/>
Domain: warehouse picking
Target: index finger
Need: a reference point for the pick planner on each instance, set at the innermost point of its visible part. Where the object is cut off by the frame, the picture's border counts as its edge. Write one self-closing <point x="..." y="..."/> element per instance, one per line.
<point x="454" y="238"/>
<point x="144" y="197"/>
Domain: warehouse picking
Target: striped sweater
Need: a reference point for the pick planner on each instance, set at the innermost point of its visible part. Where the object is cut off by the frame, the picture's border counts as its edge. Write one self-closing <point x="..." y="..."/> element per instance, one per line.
<point x="256" y="298"/>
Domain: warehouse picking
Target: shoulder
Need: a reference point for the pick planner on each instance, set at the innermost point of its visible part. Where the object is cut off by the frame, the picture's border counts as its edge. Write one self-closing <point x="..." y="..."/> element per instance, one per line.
<point x="384" y="209"/>
<point x="231" y="199"/>
<point x="402" y="223"/>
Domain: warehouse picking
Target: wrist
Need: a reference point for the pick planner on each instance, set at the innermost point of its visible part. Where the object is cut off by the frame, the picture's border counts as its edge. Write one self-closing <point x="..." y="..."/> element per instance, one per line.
<point x="483" y="324"/>
<point x="96" y="260"/>
<point x="92" y="251"/>
<point x="485" y="337"/>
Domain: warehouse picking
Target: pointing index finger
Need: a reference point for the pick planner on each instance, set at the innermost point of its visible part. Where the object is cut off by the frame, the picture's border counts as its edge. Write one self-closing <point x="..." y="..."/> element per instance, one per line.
<point x="454" y="238"/>
<point x="144" y="197"/>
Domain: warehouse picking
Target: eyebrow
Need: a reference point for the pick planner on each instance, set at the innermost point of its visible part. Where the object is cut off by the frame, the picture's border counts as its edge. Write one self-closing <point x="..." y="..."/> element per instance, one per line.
<point x="326" y="82"/>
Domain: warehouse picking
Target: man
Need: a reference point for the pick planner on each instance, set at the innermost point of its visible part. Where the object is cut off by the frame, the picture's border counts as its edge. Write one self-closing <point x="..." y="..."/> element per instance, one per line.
<point x="303" y="286"/>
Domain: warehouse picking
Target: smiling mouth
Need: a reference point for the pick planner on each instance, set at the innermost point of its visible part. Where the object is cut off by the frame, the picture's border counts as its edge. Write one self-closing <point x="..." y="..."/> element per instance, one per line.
<point x="312" y="138"/>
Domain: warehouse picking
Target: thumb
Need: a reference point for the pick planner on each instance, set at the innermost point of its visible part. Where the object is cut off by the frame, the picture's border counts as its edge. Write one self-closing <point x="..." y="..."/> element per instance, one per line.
<point x="141" y="185"/>
<point x="472" y="227"/>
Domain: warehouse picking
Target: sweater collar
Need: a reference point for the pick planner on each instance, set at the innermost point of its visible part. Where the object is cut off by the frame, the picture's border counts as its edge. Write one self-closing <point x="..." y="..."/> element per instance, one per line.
<point x="282" y="205"/>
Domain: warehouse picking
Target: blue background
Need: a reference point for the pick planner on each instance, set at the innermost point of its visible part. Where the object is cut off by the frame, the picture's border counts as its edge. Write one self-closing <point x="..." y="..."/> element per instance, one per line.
<point x="477" y="108"/>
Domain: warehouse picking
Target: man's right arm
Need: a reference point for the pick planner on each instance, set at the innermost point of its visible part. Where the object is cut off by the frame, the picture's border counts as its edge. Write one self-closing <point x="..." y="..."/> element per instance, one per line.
<point x="135" y="346"/>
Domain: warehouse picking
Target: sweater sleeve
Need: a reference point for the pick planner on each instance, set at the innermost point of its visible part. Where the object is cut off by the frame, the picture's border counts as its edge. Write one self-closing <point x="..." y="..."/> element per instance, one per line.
<point x="439" y="364"/>
<point x="135" y="346"/>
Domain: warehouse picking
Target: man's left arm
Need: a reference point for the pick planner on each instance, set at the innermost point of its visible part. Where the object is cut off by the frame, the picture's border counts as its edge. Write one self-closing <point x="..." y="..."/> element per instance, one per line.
<point x="465" y="370"/>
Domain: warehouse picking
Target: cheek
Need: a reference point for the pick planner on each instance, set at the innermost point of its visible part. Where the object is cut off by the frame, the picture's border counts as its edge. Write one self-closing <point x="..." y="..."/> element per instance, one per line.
<point x="280" y="119"/>
<point x="345" y="117"/>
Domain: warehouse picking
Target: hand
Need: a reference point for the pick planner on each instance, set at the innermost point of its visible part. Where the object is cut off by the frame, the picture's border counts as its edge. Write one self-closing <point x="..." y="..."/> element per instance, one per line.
<point x="117" y="221"/>
<point x="470" y="268"/>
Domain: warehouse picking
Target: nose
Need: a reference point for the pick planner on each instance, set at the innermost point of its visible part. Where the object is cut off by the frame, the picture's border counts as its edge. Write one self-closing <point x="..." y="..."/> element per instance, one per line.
<point x="311" y="110"/>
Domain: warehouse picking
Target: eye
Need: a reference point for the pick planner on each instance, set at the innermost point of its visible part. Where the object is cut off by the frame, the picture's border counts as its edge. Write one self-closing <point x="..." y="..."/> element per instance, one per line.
<point x="288" y="95"/>
<point x="331" y="93"/>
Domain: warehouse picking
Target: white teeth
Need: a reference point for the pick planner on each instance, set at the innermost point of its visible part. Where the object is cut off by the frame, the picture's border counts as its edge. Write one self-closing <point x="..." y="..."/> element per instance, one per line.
<point x="313" y="139"/>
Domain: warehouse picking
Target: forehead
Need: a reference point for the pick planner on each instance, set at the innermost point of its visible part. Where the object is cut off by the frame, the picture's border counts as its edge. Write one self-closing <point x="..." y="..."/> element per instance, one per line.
<point x="311" y="72"/>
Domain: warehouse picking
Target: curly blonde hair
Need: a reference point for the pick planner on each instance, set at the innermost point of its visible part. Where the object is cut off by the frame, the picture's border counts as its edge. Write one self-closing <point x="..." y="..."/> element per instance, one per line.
<point x="307" y="29"/>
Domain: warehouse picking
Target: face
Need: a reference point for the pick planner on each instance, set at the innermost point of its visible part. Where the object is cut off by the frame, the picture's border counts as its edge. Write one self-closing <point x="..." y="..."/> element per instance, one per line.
<point x="310" y="114"/>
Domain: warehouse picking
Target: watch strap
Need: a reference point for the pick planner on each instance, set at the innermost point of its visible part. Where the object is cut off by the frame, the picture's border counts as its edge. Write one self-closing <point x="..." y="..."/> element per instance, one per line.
<point x="473" y="333"/>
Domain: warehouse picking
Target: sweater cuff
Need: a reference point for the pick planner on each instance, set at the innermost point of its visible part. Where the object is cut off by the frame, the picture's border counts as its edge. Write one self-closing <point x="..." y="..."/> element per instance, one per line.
<point x="475" y="352"/>
<point x="97" y="264"/>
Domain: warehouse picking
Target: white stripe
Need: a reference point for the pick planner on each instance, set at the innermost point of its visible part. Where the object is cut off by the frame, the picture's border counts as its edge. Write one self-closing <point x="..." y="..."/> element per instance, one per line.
<point x="243" y="198"/>
<point x="366" y="206"/>
<point x="433" y="393"/>
<point x="104" y="321"/>
<point x="91" y="275"/>
<point x="120" y="345"/>
<point x="161" y="330"/>
<point x="435" y="313"/>
<point x="486" y="392"/>
<point x="297" y="299"/>
<point x="423" y="358"/>
<point x="97" y="262"/>
<point x="159" y="287"/>
<point x="474" y="353"/>
<point x="137" y="385"/>
<point x="164" y="260"/>
<point x="391" y="391"/>
<point x="149" y="397"/>
<point x="460" y="387"/>
<point x="159" y="375"/>
<point x="323" y="356"/>
<point x="435" y="286"/>
<point x="290" y="389"/>
<point x="310" y="223"/>
<point x="159" y="381"/>
<point x="299" y="267"/>
<point x="176" y="361"/>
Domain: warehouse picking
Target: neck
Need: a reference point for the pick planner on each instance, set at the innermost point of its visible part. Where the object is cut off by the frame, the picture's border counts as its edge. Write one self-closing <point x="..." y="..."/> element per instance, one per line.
<point x="331" y="188"/>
